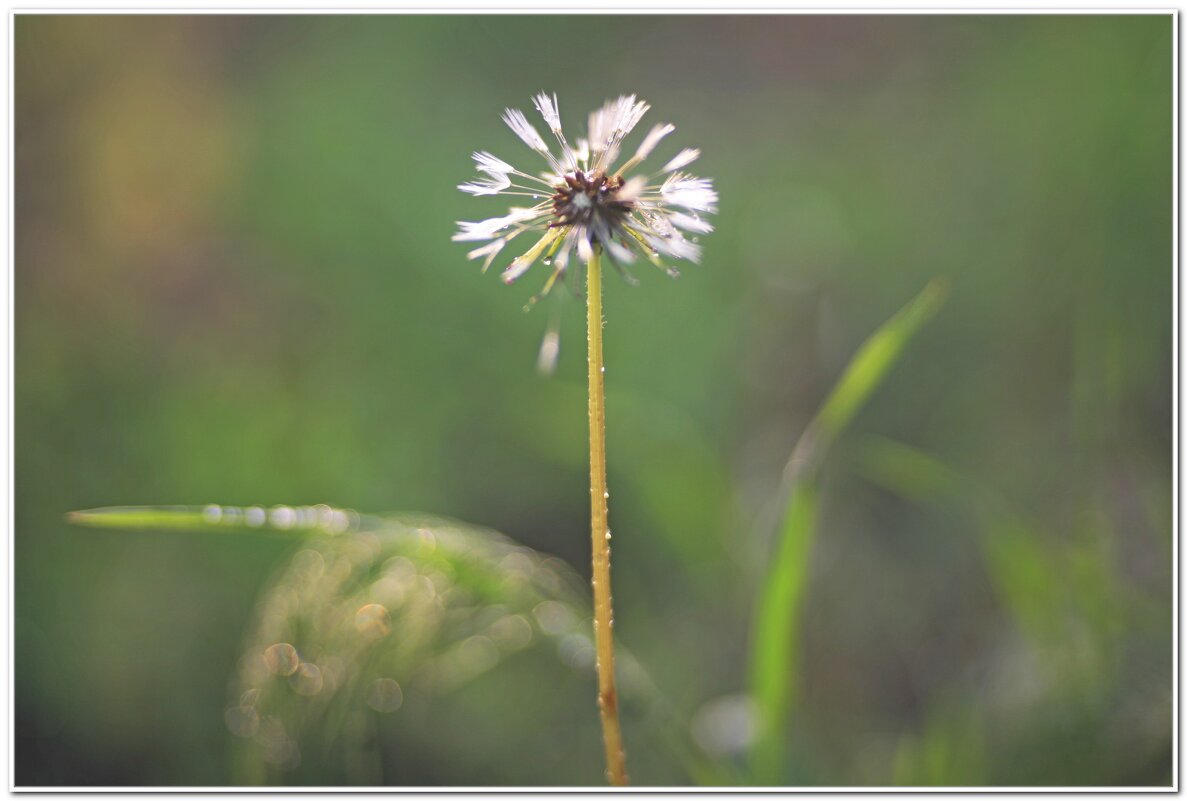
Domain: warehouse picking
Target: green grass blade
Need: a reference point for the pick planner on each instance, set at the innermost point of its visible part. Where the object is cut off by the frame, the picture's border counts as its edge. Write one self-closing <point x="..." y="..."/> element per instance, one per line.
<point x="140" y="517"/>
<point x="776" y="629"/>
<point x="875" y="357"/>
<point x="909" y="472"/>
<point x="320" y="519"/>
<point x="774" y="653"/>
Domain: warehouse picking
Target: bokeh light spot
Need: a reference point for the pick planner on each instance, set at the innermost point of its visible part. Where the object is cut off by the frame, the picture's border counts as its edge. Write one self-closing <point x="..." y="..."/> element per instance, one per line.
<point x="477" y="654"/>
<point x="373" y="620"/>
<point x="307" y="680"/>
<point x="553" y="617"/>
<point x="385" y="695"/>
<point x="512" y="632"/>
<point x="281" y="659"/>
<point x="242" y="721"/>
<point x="283" y="517"/>
<point x="724" y="725"/>
<point x="577" y="652"/>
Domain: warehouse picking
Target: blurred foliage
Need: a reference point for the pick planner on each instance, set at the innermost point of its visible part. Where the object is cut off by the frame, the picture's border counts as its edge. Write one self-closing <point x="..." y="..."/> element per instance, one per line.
<point x="234" y="283"/>
<point x="365" y="600"/>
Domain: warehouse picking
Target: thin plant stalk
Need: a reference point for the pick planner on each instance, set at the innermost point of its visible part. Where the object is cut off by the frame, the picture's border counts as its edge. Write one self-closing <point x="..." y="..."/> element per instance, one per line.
<point x="600" y="530"/>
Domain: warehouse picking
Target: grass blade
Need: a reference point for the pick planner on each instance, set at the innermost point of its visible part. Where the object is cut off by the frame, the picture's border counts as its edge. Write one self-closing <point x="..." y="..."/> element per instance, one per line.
<point x="319" y="519"/>
<point x="775" y="633"/>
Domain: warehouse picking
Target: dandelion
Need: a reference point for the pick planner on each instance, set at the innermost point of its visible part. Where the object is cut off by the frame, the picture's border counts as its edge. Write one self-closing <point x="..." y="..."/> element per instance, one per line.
<point x="586" y="203"/>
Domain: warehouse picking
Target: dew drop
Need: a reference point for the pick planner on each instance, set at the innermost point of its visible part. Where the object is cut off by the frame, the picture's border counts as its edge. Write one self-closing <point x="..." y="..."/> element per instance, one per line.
<point x="607" y="535"/>
<point x="606" y="495"/>
<point x="547" y="262"/>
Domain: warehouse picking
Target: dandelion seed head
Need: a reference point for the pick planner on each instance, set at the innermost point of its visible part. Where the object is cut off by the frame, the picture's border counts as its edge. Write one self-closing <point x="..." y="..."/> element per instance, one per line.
<point x="585" y="201"/>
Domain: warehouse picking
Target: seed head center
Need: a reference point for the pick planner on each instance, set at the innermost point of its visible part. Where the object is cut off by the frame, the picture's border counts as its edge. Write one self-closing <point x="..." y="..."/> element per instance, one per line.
<point x="589" y="199"/>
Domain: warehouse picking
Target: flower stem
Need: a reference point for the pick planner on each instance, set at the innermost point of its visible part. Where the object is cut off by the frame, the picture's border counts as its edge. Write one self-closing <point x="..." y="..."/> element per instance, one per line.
<point x="599" y="529"/>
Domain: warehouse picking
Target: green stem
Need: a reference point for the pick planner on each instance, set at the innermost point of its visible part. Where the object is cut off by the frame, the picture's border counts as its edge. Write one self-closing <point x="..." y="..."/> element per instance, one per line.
<point x="599" y="529"/>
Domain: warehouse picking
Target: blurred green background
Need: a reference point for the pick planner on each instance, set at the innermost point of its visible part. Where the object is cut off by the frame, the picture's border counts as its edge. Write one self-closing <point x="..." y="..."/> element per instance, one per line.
<point x="234" y="284"/>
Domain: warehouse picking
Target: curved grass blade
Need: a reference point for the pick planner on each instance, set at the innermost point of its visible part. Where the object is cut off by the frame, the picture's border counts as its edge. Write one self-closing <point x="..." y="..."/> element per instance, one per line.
<point x="776" y="628"/>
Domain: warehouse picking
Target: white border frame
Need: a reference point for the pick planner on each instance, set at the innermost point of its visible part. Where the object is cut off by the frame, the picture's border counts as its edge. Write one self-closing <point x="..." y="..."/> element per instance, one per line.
<point x="873" y="7"/>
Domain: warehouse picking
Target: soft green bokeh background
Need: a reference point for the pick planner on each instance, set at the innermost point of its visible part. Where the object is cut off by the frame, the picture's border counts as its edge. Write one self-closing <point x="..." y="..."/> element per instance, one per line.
<point x="234" y="283"/>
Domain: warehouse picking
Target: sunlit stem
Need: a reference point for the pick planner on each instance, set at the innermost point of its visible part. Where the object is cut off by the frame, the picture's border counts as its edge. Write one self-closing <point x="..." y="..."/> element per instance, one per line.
<point x="599" y="529"/>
